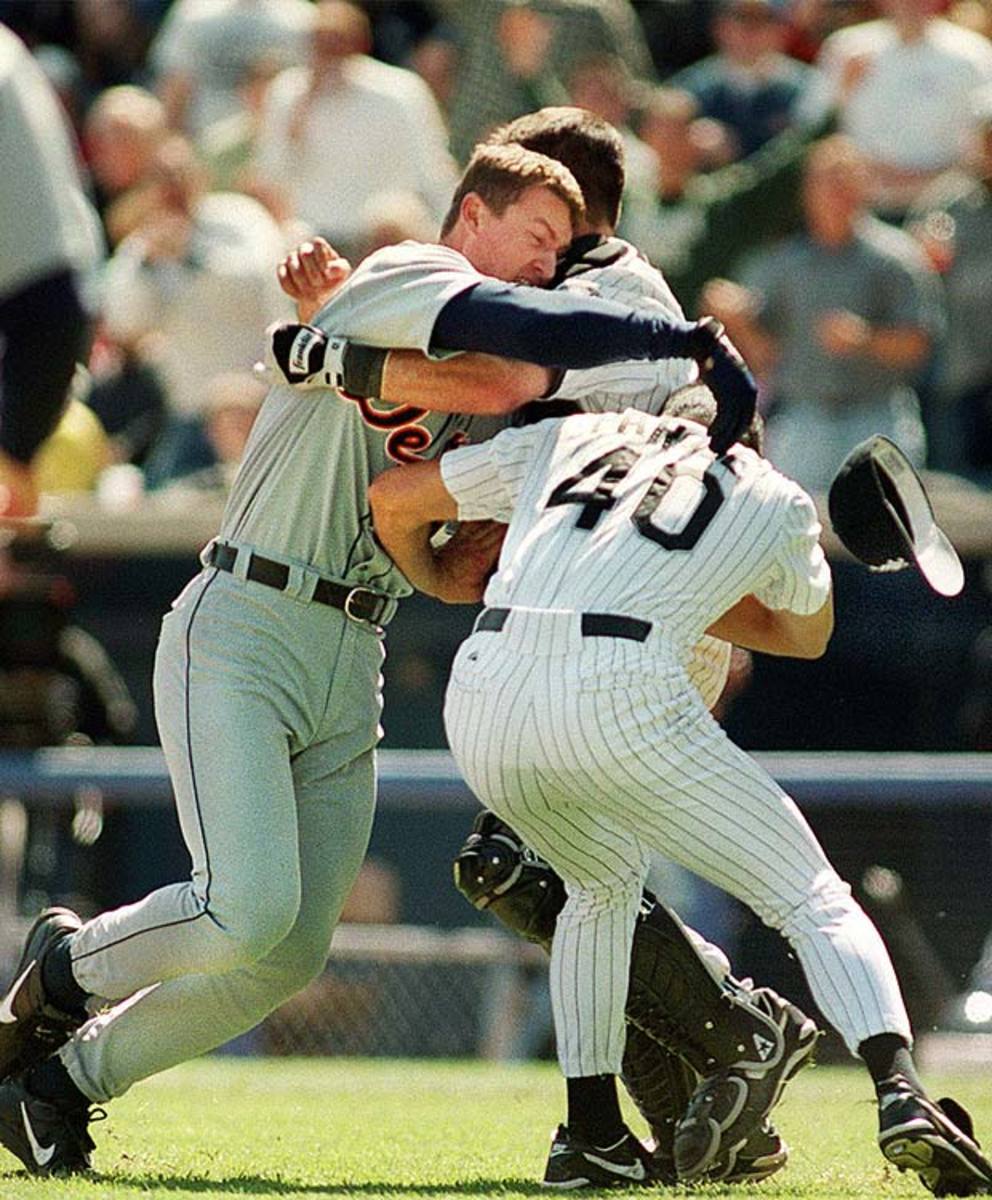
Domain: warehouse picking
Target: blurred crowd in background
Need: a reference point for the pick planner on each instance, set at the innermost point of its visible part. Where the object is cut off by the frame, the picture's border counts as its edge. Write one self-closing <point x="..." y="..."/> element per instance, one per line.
<point x="816" y="173"/>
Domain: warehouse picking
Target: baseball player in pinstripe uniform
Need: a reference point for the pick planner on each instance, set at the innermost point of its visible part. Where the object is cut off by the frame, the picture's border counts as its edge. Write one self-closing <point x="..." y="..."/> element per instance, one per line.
<point x="267" y="672"/>
<point x="600" y="264"/>
<point x="571" y="714"/>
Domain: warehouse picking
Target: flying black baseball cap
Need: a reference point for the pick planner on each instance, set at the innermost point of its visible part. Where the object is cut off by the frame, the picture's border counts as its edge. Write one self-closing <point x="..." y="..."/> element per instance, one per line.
<point x="881" y="512"/>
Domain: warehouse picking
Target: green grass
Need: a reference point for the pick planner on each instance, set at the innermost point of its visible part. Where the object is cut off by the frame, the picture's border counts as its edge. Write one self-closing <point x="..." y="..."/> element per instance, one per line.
<point x="342" y="1127"/>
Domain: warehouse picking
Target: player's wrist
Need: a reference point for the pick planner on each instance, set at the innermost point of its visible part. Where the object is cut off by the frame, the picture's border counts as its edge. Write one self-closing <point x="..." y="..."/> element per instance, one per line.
<point x="304" y="356"/>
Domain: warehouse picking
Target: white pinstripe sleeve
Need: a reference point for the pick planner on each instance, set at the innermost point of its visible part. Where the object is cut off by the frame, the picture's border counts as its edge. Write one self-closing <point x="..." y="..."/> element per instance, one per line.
<point x="800" y="579"/>
<point x="485" y="480"/>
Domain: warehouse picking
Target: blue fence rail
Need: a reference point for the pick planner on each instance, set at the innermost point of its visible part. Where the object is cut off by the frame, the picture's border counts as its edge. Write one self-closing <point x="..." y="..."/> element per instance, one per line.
<point x="418" y="779"/>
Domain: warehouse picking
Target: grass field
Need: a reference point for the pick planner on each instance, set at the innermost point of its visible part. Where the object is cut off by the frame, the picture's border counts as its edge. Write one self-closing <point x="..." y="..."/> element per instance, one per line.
<point x="342" y="1127"/>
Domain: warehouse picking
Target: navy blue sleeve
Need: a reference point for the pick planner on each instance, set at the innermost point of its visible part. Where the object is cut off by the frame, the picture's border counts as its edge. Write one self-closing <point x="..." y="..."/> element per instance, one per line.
<point x="559" y="329"/>
<point x="563" y="330"/>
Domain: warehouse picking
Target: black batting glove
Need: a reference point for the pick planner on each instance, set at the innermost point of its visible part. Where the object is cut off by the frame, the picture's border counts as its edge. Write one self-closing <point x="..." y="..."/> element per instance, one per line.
<point x="304" y="356"/>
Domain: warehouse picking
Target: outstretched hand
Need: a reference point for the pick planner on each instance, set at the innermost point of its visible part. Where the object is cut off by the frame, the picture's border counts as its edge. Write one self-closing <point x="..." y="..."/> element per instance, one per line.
<point x="311" y="274"/>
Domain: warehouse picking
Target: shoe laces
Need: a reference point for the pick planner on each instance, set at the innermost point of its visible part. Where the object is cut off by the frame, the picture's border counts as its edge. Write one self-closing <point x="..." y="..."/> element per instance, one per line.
<point x="77" y="1122"/>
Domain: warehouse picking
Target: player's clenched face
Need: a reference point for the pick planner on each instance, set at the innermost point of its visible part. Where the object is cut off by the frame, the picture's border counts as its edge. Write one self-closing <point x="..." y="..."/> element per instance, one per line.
<point x="521" y="244"/>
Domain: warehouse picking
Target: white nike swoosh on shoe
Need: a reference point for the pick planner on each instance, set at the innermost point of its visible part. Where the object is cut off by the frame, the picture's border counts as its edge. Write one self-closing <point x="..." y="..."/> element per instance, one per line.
<point x="7" y="1016"/>
<point x="42" y="1154"/>
<point x="634" y="1171"/>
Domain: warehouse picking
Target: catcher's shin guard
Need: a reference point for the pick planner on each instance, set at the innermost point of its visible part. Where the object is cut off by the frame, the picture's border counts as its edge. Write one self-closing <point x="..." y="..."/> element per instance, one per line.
<point x="660" y="1085"/>
<point x="676" y="998"/>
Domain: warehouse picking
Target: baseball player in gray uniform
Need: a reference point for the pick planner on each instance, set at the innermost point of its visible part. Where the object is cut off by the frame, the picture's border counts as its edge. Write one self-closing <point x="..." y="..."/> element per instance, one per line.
<point x="571" y="714"/>
<point x="267" y="673"/>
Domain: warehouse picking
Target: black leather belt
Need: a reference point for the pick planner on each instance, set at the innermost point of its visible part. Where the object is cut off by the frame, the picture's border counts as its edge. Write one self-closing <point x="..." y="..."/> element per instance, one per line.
<point x="492" y="620"/>
<point x="360" y="604"/>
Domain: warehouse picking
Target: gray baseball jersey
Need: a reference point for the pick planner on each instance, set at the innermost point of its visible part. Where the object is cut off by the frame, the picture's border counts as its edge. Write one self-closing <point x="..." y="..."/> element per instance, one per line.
<point x="301" y="490"/>
<point x="595" y="746"/>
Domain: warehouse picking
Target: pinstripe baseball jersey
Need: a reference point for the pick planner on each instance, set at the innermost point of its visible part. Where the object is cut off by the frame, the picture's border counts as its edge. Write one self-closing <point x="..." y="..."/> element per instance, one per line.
<point x="301" y="490"/>
<point x="614" y="270"/>
<point x="634" y="514"/>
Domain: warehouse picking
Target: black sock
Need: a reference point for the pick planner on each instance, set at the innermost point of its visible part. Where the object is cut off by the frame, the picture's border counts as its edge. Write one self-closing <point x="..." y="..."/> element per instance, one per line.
<point x="888" y="1054"/>
<point x="58" y="981"/>
<point x="594" y="1110"/>
<point x="52" y="1082"/>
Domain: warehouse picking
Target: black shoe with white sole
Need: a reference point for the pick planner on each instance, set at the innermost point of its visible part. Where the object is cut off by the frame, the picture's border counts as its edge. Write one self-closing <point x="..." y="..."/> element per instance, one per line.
<point x="574" y="1163"/>
<point x="48" y="1139"/>
<point x="31" y="1028"/>
<point x="934" y="1139"/>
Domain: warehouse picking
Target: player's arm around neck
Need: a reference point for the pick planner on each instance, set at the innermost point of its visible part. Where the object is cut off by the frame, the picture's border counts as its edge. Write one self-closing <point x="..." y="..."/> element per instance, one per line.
<point x="407" y="503"/>
<point x="753" y="626"/>
<point x="468" y="383"/>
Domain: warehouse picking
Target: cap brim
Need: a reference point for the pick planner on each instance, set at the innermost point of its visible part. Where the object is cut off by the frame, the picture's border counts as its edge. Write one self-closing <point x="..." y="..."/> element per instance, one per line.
<point x="939" y="562"/>
<point x="926" y="541"/>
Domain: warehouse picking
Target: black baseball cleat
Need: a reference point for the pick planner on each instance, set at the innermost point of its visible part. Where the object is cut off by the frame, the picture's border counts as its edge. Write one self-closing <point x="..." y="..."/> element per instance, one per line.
<point x="574" y="1163"/>
<point x="48" y="1139"/>
<point x="762" y="1155"/>
<point x="936" y="1140"/>
<point x="731" y="1105"/>
<point x="30" y="1027"/>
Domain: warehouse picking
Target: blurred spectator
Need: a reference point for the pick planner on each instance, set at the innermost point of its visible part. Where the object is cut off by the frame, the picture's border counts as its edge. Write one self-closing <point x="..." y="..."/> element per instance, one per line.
<point x="953" y="221"/>
<point x="811" y="22"/>
<point x="121" y="135"/>
<point x="839" y="322"/>
<point x="127" y="396"/>
<point x="903" y="86"/>
<point x="49" y="244"/>
<point x="975" y="15"/>
<point x="108" y="39"/>
<point x="205" y="48"/>
<point x="65" y="75"/>
<point x="345" y="127"/>
<point x="231" y="404"/>
<point x="71" y="458"/>
<point x="749" y="85"/>
<point x="700" y="224"/>
<point x="227" y="146"/>
<point x="603" y="85"/>
<point x="677" y="32"/>
<point x="111" y="42"/>
<point x="496" y="79"/>
<point x="398" y="27"/>
<point x="195" y="285"/>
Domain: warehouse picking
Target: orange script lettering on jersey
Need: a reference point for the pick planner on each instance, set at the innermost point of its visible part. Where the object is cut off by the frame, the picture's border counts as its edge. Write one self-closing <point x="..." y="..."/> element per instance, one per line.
<point x="406" y="439"/>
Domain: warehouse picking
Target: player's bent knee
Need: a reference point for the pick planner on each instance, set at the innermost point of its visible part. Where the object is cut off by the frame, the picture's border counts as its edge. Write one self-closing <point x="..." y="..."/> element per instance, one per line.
<point x="253" y="931"/>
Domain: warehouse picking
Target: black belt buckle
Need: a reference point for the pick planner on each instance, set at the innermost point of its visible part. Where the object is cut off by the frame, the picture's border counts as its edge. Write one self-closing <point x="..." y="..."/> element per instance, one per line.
<point x="375" y="602"/>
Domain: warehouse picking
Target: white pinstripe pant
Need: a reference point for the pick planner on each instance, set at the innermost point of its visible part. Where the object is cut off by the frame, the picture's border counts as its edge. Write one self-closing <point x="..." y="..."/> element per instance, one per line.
<point x="598" y="750"/>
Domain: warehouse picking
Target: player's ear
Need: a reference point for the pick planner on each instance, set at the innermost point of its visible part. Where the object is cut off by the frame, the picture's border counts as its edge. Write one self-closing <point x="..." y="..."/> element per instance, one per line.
<point x="473" y="211"/>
